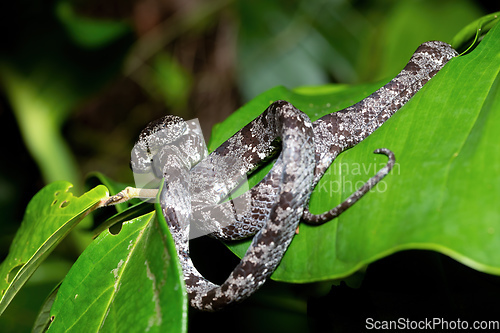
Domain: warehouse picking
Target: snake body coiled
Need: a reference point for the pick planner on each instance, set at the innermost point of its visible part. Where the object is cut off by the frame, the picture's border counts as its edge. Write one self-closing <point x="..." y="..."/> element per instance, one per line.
<point x="274" y="206"/>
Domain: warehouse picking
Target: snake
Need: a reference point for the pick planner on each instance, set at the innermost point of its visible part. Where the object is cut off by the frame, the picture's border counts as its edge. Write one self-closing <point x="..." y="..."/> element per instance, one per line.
<point x="272" y="209"/>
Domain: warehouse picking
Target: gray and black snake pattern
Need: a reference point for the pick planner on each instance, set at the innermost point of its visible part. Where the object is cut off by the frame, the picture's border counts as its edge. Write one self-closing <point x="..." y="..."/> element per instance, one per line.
<point x="274" y="206"/>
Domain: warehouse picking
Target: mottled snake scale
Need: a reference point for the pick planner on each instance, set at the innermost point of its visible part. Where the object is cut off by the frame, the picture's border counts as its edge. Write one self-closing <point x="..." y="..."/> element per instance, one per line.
<point x="274" y="206"/>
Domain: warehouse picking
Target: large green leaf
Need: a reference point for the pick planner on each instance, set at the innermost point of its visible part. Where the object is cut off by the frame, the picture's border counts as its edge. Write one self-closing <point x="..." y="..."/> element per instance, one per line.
<point x="126" y="282"/>
<point x="442" y="195"/>
<point x="50" y="216"/>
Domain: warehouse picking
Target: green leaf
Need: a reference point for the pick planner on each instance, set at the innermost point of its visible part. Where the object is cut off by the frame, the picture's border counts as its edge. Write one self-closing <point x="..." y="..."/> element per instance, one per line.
<point x="166" y="80"/>
<point x="410" y="23"/>
<point x="50" y="216"/>
<point x="443" y="193"/>
<point x="39" y="119"/>
<point x="89" y="32"/>
<point x="126" y="282"/>
<point x="469" y="36"/>
<point x="42" y="321"/>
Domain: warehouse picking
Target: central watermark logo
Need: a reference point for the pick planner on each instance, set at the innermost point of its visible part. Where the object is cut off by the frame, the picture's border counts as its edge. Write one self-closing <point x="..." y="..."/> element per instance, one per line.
<point x="213" y="189"/>
<point x="337" y="179"/>
<point x="177" y="152"/>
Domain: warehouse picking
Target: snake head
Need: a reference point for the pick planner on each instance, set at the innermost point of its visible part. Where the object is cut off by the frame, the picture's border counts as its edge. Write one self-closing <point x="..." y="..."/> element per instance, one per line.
<point x="156" y="135"/>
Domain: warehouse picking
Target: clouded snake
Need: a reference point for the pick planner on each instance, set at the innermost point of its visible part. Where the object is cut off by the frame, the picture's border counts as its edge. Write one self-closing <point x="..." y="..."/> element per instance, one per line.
<point x="274" y="207"/>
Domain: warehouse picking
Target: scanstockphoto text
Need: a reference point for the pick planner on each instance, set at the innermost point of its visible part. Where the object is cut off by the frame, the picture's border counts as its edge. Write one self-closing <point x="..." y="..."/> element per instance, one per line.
<point x="437" y="323"/>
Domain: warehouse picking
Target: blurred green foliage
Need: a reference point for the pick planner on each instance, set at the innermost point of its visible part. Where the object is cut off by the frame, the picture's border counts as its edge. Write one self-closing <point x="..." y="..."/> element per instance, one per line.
<point x="59" y="58"/>
<point x="46" y="70"/>
<point x="319" y="42"/>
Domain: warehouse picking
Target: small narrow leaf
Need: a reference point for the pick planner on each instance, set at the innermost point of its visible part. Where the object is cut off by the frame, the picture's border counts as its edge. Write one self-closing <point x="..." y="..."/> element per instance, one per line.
<point x="470" y="35"/>
<point x="42" y="321"/>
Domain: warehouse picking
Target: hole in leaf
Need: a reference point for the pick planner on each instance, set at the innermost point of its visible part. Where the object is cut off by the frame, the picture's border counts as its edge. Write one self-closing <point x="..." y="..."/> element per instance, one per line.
<point x="115" y="229"/>
<point x="56" y="193"/>
<point x="65" y="203"/>
<point x="54" y="202"/>
<point x="13" y="273"/>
